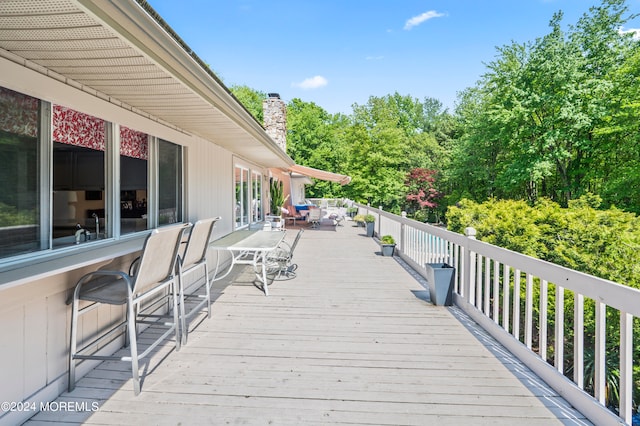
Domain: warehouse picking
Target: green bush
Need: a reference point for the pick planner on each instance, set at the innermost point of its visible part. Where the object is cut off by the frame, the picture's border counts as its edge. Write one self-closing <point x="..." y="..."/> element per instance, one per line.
<point x="369" y="218"/>
<point x="387" y="239"/>
<point x="579" y="237"/>
<point x="11" y="216"/>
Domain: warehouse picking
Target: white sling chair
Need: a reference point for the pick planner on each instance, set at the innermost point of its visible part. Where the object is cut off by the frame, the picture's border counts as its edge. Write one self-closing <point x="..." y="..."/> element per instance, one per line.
<point x="154" y="279"/>
<point x="193" y="259"/>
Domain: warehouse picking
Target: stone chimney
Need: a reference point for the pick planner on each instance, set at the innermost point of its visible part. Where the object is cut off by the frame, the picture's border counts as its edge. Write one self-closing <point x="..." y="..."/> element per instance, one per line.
<point x="274" y="111"/>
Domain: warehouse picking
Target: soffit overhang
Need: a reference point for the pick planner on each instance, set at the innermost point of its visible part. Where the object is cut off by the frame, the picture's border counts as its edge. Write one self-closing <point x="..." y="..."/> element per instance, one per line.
<point x="118" y="51"/>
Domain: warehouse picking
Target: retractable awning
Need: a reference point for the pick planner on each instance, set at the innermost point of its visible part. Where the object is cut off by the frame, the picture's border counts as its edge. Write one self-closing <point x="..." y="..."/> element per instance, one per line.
<point x="320" y="174"/>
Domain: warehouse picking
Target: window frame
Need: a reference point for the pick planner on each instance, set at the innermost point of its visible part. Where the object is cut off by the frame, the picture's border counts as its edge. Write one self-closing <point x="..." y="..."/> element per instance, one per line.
<point x="112" y="227"/>
<point x="254" y="174"/>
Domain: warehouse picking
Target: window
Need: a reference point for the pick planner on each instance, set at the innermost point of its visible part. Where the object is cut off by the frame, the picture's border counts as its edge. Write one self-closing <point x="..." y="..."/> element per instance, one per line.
<point x="134" y="156"/>
<point x="248" y="196"/>
<point x="169" y="183"/>
<point x="242" y="196"/>
<point x="19" y="177"/>
<point x="79" y="144"/>
<point x="256" y="203"/>
<point x="60" y="180"/>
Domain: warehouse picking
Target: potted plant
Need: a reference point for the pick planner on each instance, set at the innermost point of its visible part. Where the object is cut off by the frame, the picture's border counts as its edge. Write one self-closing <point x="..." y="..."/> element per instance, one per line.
<point x="388" y="244"/>
<point x="359" y="219"/>
<point x="369" y="221"/>
<point x="352" y="211"/>
<point x="440" y="277"/>
<point x="277" y="197"/>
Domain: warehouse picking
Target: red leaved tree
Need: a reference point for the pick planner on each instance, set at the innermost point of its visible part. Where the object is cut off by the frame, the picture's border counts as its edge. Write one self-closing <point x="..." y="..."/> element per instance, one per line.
<point x="421" y="189"/>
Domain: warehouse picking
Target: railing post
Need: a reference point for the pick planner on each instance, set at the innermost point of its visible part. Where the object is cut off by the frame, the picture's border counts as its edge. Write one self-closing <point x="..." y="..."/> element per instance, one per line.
<point x="467" y="270"/>
<point x="401" y="242"/>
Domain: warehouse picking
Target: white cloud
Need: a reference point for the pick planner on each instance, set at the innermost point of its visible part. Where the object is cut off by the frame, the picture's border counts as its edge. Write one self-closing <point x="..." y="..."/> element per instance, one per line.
<point x="634" y="31"/>
<point x="312" y="82"/>
<point x="374" y="58"/>
<point x="419" y="19"/>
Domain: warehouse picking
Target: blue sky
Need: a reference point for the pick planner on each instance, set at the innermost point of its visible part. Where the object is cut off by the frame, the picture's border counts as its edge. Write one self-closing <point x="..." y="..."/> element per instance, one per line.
<point x="339" y="52"/>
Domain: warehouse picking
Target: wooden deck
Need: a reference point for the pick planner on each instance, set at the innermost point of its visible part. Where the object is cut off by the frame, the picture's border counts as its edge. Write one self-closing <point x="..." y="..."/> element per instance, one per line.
<point x="352" y="340"/>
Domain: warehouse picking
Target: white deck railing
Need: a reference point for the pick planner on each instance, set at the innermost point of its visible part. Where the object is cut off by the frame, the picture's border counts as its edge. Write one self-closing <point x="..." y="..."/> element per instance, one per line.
<point x="488" y="285"/>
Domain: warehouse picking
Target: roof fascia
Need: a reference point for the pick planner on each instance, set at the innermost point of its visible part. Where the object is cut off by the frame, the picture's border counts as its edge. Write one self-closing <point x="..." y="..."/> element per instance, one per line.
<point x="137" y="27"/>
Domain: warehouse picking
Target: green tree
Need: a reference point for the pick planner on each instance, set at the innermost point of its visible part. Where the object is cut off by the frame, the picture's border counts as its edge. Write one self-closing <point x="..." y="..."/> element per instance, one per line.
<point x="531" y="122"/>
<point x="315" y="139"/>
<point x="251" y="99"/>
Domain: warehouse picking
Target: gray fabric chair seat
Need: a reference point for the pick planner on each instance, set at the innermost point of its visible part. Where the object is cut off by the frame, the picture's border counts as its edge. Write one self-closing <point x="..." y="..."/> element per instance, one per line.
<point x="109" y="289"/>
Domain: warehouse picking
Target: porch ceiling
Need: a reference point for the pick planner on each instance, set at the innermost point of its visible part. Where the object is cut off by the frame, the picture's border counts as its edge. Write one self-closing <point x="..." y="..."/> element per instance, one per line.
<point x="116" y="50"/>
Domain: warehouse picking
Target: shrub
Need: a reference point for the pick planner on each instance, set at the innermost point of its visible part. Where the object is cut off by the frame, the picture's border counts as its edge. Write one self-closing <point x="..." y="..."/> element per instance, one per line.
<point x="369" y="218"/>
<point x="387" y="239"/>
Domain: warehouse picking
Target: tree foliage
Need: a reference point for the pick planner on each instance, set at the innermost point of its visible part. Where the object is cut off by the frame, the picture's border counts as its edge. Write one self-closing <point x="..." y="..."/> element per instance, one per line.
<point x="535" y="122"/>
<point x="251" y="99"/>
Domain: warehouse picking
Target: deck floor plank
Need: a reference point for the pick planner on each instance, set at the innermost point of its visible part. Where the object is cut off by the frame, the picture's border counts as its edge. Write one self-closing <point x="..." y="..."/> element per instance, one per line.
<point x="352" y="340"/>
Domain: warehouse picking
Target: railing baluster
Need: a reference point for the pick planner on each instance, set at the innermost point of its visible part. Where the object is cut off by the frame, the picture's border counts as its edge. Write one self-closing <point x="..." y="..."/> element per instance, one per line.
<point x="506" y="282"/>
<point x="516" y="303"/>
<point x="496" y="292"/>
<point x="542" y="322"/>
<point x="559" y="329"/>
<point x="487" y="286"/>
<point x="578" y="339"/>
<point x="479" y="289"/>
<point x="626" y="366"/>
<point x="528" y="309"/>
<point x="600" y="349"/>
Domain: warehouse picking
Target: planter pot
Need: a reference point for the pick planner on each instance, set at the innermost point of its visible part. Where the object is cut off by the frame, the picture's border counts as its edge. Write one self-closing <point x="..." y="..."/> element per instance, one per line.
<point x="440" y="278"/>
<point x="370" y="228"/>
<point x="388" y="249"/>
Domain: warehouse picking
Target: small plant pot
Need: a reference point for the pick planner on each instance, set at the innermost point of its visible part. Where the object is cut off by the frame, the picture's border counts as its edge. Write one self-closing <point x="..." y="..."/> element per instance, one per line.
<point x="440" y="278"/>
<point x="388" y="249"/>
<point x="370" y="228"/>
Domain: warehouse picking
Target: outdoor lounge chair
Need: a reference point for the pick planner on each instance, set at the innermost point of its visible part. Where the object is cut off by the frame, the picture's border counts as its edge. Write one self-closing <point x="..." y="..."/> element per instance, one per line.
<point x="192" y="259"/>
<point x="279" y="261"/>
<point x="314" y="217"/>
<point x="144" y="295"/>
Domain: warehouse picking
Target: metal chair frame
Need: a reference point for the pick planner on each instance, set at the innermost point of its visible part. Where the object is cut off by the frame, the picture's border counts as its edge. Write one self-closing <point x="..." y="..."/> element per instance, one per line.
<point x="155" y="279"/>
<point x="314" y="217"/>
<point x="279" y="260"/>
<point x="193" y="259"/>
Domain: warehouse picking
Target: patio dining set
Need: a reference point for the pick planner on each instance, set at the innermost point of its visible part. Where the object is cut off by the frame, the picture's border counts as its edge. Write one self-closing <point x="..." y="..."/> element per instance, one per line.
<point x="155" y="291"/>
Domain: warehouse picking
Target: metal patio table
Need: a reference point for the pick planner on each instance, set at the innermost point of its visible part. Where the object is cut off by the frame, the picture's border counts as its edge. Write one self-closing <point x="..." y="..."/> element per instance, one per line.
<point x="248" y="247"/>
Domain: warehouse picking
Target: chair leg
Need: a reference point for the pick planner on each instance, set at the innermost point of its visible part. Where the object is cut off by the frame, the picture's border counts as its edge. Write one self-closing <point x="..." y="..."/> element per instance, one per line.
<point x="183" y="318"/>
<point x="176" y="313"/>
<point x="133" y="346"/>
<point x="73" y="345"/>
<point x="208" y="289"/>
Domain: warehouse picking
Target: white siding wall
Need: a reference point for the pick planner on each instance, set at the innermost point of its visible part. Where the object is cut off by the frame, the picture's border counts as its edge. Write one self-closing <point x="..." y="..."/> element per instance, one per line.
<point x="34" y="324"/>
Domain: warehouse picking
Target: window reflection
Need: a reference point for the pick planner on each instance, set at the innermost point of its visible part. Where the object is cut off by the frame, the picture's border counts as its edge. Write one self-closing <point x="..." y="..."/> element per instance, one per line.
<point x="134" y="155"/>
<point x="169" y="183"/>
<point x="242" y="196"/>
<point x="256" y="203"/>
<point x="20" y="195"/>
